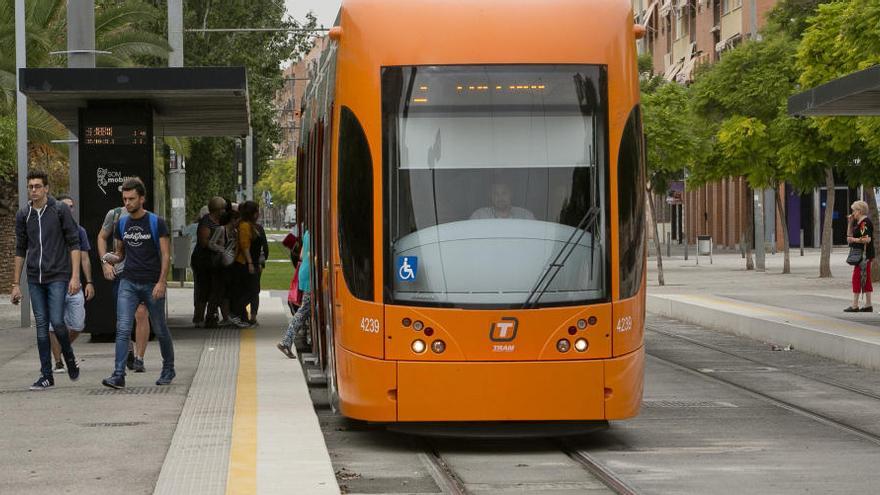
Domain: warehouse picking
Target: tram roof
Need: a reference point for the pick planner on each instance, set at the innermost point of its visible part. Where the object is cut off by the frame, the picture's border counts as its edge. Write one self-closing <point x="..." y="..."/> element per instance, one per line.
<point x="853" y="95"/>
<point x="188" y="101"/>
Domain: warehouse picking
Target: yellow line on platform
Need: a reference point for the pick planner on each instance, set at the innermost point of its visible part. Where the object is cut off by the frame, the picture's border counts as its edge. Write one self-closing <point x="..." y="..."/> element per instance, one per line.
<point x="242" y="478"/>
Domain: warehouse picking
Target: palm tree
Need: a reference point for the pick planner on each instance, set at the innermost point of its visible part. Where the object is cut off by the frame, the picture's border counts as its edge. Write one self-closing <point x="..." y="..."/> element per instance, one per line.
<point x="118" y="30"/>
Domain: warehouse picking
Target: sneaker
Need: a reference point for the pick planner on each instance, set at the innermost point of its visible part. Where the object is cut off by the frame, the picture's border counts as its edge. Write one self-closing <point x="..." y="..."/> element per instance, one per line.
<point x="851" y="310"/>
<point x="43" y="383"/>
<point x="139" y="365"/>
<point x="867" y="309"/>
<point x="114" y="381"/>
<point x="225" y="322"/>
<point x="59" y="366"/>
<point x="254" y="323"/>
<point x="72" y="367"/>
<point x="166" y="377"/>
<point x="198" y="324"/>
<point x="129" y="361"/>
<point x="212" y="324"/>
<point x="239" y="323"/>
<point x="285" y="349"/>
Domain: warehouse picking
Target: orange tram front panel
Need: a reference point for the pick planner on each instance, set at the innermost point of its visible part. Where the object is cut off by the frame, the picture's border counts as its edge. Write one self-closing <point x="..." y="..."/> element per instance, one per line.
<point x="387" y="391"/>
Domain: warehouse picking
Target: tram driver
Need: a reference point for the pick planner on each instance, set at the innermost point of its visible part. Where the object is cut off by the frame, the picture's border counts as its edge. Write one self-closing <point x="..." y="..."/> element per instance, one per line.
<point x="502" y="205"/>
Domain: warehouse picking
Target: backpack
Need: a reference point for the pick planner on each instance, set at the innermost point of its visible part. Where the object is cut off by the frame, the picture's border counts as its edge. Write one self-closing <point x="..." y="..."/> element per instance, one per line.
<point x="154" y="228"/>
<point x="230" y="249"/>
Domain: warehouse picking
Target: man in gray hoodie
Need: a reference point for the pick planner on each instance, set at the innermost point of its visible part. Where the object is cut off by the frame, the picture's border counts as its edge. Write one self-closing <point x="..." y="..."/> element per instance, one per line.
<point x="48" y="238"/>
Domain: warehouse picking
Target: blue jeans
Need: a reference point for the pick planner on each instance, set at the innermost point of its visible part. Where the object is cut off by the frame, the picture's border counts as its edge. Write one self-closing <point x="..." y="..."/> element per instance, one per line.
<point x="47" y="301"/>
<point x="130" y="295"/>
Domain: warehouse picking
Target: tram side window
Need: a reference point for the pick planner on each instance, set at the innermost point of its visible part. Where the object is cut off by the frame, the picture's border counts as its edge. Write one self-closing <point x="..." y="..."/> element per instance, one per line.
<point x="631" y="204"/>
<point x="355" y="197"/>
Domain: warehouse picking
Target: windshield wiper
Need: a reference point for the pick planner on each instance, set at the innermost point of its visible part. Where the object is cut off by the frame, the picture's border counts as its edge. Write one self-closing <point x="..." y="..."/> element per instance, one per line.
<point x="588" y="221"/>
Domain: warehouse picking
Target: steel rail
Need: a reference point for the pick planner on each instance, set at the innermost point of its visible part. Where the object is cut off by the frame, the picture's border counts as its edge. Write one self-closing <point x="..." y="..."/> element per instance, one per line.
<point x="602" y="473"/>
<point x="447" y="479"/>
<point x="826" y="381"/>
<point x="788" y="406"/>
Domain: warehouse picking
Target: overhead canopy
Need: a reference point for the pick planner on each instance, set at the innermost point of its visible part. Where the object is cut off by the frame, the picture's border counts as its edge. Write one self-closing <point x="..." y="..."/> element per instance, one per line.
<point x="853" y="95"/>
<point x="188" y="101"/>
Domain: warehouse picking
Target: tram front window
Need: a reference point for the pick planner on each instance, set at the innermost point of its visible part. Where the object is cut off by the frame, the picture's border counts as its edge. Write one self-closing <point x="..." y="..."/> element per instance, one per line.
<point x="490" y="173"/>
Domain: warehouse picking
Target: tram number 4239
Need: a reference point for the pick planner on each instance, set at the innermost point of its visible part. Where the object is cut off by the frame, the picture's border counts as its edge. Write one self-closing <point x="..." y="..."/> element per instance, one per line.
<point x="624" y="324"/>
<point x="370" y="325"/>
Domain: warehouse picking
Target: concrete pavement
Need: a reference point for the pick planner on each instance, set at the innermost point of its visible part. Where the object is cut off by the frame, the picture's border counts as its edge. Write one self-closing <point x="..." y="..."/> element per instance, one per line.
<point x="797" y="310"/>
<point x="237" y="419"/>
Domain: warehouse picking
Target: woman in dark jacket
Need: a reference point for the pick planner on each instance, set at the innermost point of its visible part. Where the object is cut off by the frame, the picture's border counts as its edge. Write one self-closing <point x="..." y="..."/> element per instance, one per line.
<point x="860" y="233"/>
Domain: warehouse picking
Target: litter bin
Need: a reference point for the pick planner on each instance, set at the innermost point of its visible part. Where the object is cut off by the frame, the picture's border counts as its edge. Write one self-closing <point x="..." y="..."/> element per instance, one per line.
<point x="704" y="247"/>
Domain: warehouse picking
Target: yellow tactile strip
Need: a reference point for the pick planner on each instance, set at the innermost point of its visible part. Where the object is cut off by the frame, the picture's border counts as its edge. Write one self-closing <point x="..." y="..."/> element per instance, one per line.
<point x="243" y="453"/>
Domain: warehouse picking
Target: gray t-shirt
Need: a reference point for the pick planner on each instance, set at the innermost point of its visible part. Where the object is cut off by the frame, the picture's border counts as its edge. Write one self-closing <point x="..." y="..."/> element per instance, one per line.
<point x="110" y="220"/>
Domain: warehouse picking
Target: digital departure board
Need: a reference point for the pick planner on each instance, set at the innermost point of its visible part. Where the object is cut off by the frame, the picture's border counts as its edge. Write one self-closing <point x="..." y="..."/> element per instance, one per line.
<point x="119" y="135"/>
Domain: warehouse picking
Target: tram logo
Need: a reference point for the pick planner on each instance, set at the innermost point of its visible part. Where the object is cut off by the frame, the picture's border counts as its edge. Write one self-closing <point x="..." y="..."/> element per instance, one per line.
<point x="504" y="330"/>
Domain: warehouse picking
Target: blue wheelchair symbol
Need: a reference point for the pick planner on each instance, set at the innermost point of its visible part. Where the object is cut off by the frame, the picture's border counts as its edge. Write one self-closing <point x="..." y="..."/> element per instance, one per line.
<point x="407" y="268"/>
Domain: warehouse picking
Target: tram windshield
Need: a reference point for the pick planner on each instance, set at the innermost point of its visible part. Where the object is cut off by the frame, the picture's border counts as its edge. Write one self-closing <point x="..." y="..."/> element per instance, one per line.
<point x="493" y="178"/>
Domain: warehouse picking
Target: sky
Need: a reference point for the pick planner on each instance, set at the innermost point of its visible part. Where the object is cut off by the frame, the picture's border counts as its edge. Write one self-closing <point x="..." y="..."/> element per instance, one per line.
<point x="325" y="10"/>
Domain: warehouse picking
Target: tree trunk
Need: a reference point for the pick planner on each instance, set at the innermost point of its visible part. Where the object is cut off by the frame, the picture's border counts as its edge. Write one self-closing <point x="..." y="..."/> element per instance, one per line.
<point x="873" y="213"/>
<point x="786" y="263"/>
<point x="750" y="227"/>
<point x="827" y="238"/>
<point x="650" y="198"/>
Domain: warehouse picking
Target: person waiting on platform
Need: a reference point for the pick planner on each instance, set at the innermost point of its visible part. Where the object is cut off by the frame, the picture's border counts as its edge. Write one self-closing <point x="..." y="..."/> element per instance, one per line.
<point x="75" y="305"/>
<point x="502" y="206"/>
<point x="860" y="235"/>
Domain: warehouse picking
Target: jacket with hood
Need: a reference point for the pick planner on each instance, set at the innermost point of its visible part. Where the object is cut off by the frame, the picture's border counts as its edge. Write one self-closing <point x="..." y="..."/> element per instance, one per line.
<point x="45" y="240"/>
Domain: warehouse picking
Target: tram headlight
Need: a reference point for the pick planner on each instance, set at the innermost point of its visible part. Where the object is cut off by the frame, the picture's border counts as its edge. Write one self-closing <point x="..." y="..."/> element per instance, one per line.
<point x="593" y="320"/>
<point x="438" y="346"/>
<point x="581" y="345"/>
<point x="406" y="322"/>
<point x="582" y="324"/>
<point x="563" y="345"/>
<point x="418" y="346"/>
<point x="418" y="326"/>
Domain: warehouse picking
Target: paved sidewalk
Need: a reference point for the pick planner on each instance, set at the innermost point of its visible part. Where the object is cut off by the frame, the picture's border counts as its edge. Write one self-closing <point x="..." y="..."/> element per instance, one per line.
<point x="798" y="309"/>
<point x="238" y="418"/>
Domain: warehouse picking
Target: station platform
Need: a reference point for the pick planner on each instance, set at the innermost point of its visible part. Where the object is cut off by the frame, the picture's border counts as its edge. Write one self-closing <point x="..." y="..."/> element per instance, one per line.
<point x="797" y="310"/>
<point x="238" y="418"/>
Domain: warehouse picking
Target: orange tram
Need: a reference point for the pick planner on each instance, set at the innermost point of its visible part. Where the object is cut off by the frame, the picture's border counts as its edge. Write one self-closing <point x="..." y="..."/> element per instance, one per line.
<point x="472" y="177"/>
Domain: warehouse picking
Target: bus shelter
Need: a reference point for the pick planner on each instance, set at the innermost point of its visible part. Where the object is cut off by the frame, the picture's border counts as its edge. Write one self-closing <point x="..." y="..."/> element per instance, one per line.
<point x="116" y="114"/>
<point x="856" y="94"/>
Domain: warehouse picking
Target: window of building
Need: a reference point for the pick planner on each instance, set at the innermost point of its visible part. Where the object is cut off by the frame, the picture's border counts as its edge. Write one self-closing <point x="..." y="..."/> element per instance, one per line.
<point x="729" y="5"/>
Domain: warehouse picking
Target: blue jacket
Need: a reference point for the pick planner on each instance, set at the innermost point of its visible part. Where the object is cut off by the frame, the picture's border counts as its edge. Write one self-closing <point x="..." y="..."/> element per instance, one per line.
<point x="305" y="266"/>
<point x="46" y="240"/>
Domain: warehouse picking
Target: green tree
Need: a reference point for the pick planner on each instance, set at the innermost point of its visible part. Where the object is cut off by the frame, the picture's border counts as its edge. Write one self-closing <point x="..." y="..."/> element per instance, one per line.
<point x="210" y="164"/>
<point x="742" y="98"/>
<point x="279" y="178"/>
<point x="672" y="144"/>
<point x="843" y="37"/>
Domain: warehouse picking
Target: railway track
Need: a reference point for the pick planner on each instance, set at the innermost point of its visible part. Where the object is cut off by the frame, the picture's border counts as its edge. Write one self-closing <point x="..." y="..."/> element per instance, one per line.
<point x="808" y="376"/>
<point x="816" y="416"/>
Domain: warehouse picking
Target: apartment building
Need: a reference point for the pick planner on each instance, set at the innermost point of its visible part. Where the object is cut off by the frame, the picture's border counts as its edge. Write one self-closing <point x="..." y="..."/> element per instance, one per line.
<point x="682" y="34"/>
<point x="288" y="101"/>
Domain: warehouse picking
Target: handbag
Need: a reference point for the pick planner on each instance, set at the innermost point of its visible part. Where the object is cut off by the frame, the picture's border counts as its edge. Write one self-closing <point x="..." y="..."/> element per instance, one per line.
<point x="855" y="255"/>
